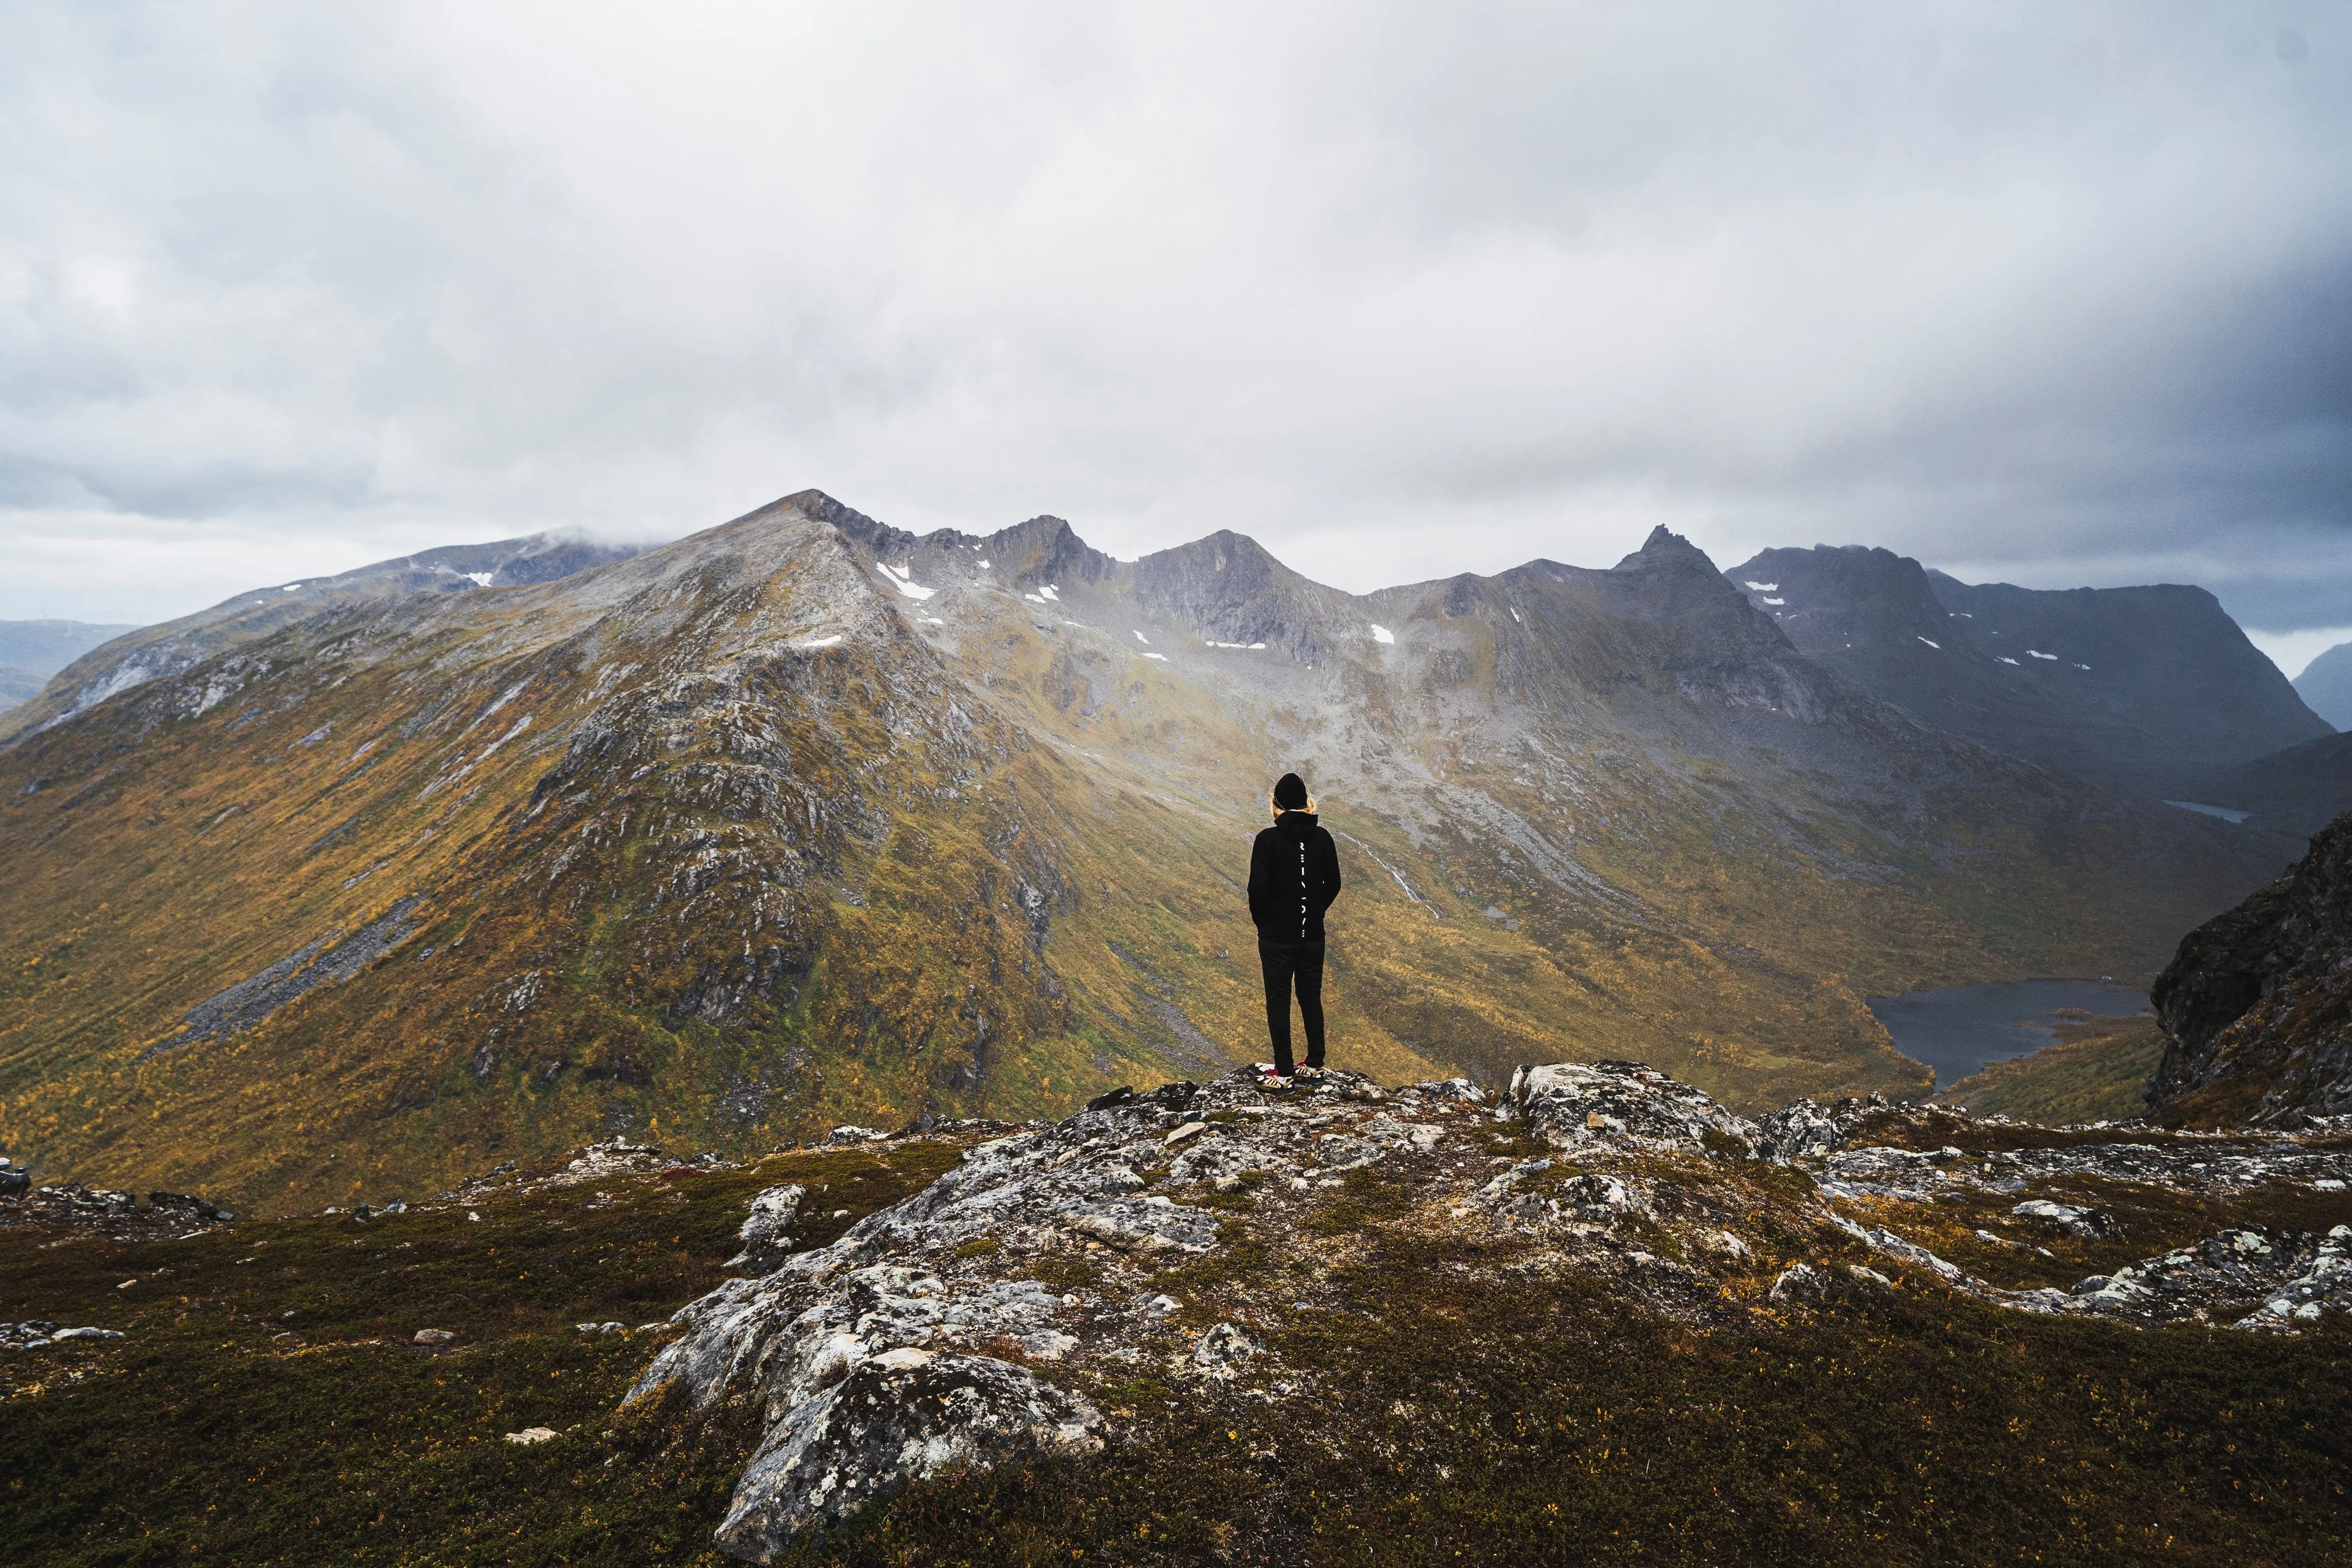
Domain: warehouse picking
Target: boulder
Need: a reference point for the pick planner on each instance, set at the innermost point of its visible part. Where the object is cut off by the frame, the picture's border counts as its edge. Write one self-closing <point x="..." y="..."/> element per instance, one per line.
<point x="1571" y="1103"/>
<point x="2092" y="1225"/>
<point x="1808" y="1127"/>
<point x="1820" y="1284"/>
<point x="1145" y="1225"/>
<point x="903" y="1416"/>
<point x="766" y="1231"/>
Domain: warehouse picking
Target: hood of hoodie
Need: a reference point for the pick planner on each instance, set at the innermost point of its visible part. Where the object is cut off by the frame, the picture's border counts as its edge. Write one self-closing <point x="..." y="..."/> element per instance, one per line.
<point x="1298" y="823"/>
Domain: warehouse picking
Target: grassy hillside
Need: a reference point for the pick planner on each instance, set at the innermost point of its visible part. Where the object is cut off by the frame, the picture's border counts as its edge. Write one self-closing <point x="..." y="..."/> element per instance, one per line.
<point x="2094" y="1073"/>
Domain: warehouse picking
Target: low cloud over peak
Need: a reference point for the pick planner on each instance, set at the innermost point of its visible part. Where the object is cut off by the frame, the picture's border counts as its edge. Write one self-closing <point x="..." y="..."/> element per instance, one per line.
<point x="2046" y="296"/>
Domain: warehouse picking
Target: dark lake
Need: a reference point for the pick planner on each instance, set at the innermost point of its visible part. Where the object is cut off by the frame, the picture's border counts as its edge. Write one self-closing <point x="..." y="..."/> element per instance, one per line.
<point x="1957" y="1031"/>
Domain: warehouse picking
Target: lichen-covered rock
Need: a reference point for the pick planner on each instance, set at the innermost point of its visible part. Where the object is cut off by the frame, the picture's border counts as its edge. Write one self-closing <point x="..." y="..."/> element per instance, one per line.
<point x="1570" y="1103"/>
<point x="2324" y="1286"/>
<point x="766" y="1232"/>
<point x="1594" y="1196"/>
<point x="1819" y="1284"/>
<point x="1527" y="1196"/>
<point x="2298" y="1277"/>
<point x="1223" y="1350"/>
<point x="1144" y="1224"/>
<point x="1808" y="1127"/>
<point x="1338" y="1151"/>
<point x="2094" y="1225"/>
<point x="905" y="1414"/>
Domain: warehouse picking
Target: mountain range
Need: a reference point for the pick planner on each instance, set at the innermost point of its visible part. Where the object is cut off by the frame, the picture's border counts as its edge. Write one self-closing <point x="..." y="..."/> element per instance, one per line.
<point x="2153" y="689"/>
<point x="805" y="819"/>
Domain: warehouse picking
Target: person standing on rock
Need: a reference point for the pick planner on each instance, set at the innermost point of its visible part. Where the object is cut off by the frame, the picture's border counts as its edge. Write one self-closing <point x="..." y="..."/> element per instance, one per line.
<point x="1294" y="876"/>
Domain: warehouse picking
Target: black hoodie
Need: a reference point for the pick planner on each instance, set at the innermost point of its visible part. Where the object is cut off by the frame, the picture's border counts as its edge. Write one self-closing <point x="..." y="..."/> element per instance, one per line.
<point x="1294" y="877"/>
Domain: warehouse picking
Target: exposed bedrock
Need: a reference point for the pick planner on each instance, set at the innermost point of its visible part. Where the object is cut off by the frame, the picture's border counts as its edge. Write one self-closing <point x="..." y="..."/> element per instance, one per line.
<point x="984" y="1321"/>
<point x="2257" y="1004"/>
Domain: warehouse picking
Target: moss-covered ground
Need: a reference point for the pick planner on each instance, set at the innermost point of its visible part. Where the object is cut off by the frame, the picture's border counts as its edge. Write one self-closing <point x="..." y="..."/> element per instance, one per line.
<point x="203" y="1435"/>
<point x="1513" y="1424"/>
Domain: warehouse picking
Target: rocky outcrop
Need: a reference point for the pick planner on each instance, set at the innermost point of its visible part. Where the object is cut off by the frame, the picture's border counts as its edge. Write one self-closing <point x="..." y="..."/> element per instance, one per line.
<point x="2295" y="1276"/>
<point x="2256" y="1006"/>
<point x="1808" y="1127"/>
<point x="904" y="1414"/>
<point x="1575" y="1104"/>
<point x="767" y="1231"/>
<point x="119" y="1217"/>
<point x="924" y="1338"/>
<point x="329" y="959"/>
<point x="995" y="1317"/>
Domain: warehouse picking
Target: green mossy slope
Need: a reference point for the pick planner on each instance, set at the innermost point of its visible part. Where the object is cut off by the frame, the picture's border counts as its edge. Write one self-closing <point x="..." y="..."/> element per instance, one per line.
<point x="2094" y="1073"/>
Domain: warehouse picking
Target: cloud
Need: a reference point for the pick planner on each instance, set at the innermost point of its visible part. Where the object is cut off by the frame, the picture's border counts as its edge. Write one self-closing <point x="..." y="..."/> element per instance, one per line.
<point x="2053" y="297"/>
<point x="2293" y="651"/>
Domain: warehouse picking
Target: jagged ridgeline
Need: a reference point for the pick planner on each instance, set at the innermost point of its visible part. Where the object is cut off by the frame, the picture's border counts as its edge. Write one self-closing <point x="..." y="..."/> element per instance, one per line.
<point x="803" y="820"/>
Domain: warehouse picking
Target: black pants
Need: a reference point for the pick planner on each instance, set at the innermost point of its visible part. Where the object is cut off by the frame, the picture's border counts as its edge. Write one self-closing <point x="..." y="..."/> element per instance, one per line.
<point x="1286" y="963"/>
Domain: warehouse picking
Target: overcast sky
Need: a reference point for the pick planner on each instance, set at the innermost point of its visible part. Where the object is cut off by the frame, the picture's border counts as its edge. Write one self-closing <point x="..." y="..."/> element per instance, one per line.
<point x="2058" y="295"/>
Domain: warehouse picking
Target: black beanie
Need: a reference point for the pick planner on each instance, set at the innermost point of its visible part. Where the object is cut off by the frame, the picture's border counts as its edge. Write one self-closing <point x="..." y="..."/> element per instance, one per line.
<point x="1290" y="792"/>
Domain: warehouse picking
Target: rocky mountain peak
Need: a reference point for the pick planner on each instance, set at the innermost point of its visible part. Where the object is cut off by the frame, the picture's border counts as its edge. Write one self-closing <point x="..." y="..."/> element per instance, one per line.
<point x="1045" y="549"/>
<point x="1230" y="588"/>
<point x="1666" y="549"/>
<point x="873" y="535"/>
<point x="1672" y="581"/>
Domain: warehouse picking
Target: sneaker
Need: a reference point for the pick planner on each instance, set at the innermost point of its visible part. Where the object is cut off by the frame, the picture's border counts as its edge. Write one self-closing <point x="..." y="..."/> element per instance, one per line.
<point x="1309" y="1073"/>
<point x="1271" y="1083"/>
